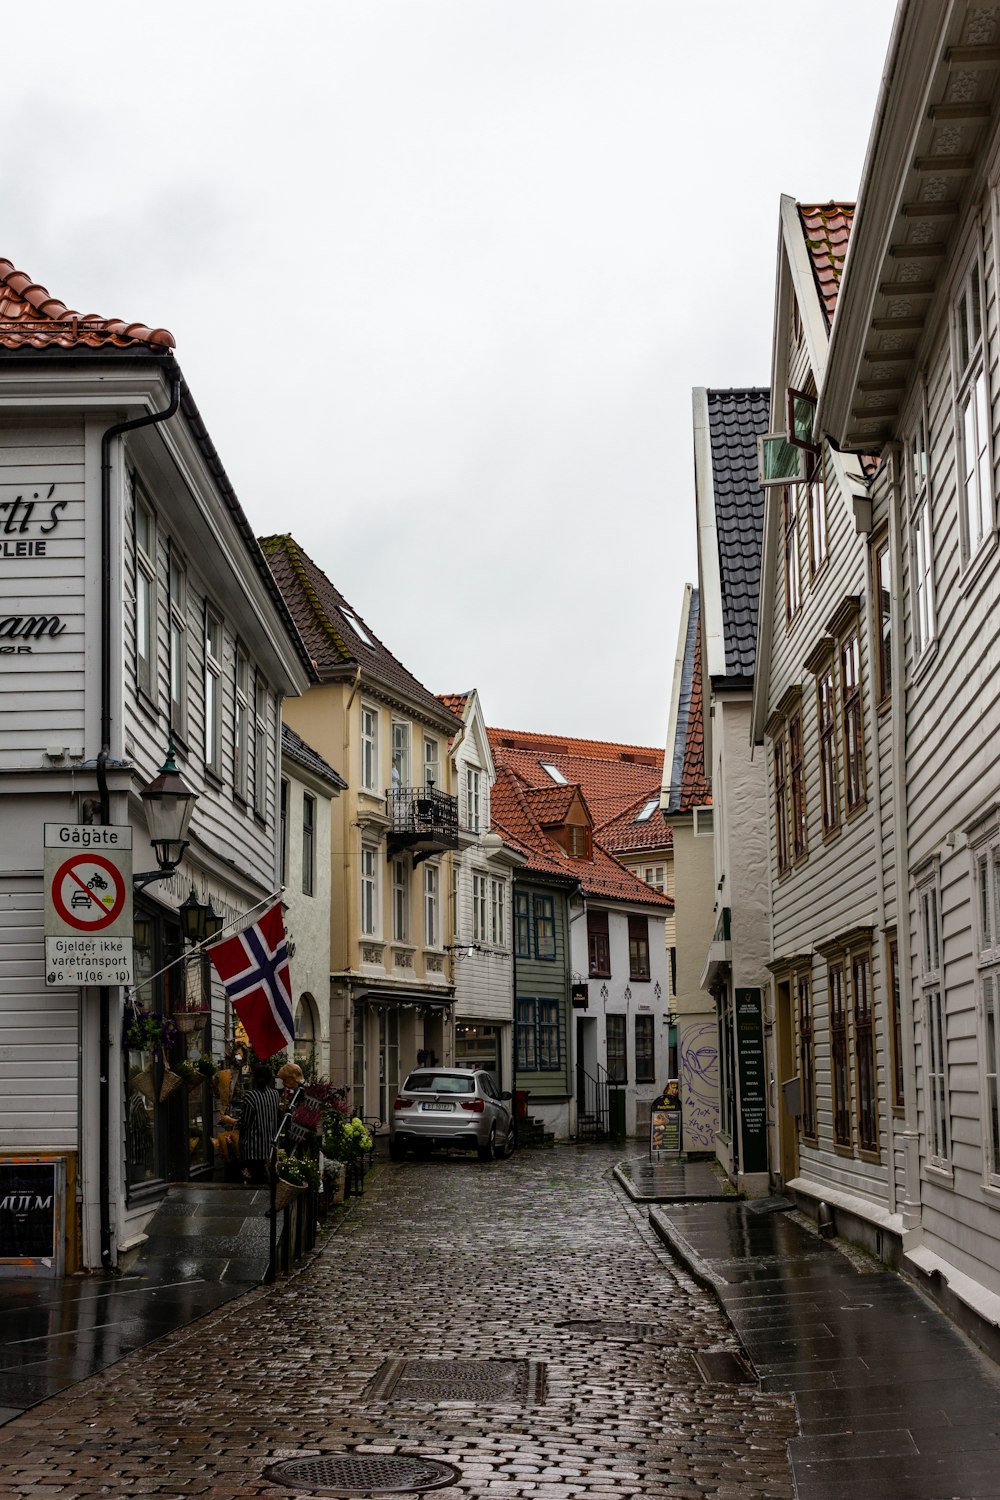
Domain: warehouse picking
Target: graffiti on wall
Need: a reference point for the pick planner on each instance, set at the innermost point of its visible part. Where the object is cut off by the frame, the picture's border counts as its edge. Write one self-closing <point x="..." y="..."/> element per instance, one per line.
<point x="699" y="1063"/>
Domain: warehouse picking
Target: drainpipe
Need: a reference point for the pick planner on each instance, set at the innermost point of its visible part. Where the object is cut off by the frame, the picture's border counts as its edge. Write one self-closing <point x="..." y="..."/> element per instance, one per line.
<point x="104" y="1098"/>
<point x="909" y="1134"/>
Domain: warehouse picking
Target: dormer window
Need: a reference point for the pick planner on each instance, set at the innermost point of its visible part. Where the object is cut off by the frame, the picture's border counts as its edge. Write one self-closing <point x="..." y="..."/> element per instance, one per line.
<point x="578" y="841"/>
<point x="554" y="772"/>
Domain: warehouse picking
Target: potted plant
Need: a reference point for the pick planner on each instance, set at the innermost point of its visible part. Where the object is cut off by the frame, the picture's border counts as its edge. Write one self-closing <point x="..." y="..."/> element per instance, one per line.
<point x="191" y="1075"/>
<point x="206" y="1065"/>
<point x="295" y="1174"/>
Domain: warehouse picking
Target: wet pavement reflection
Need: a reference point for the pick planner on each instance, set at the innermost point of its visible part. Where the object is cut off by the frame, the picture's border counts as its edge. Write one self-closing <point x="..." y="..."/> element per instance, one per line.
<point x="893" y="1402"/>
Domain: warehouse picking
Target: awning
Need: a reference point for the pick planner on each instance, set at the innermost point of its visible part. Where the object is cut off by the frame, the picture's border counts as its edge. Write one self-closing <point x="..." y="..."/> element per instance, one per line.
<point x="720" y="957"/>
<point x="374" y="994"/>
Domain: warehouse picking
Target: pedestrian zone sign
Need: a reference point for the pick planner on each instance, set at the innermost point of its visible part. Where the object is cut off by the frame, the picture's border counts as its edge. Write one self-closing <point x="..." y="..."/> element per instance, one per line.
<point x="88" y="904"/>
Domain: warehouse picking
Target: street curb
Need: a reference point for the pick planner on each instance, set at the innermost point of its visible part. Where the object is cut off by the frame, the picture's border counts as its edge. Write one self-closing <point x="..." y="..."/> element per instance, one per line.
<point x="675" y="1242"/>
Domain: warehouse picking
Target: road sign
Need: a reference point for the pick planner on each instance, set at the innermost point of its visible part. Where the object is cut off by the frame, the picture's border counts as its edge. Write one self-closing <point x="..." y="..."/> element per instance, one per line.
<point x="88" y="904"/>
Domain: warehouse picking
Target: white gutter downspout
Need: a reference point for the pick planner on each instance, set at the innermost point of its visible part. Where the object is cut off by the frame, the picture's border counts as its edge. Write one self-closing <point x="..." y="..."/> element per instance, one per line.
<point x="909" y="1134"/>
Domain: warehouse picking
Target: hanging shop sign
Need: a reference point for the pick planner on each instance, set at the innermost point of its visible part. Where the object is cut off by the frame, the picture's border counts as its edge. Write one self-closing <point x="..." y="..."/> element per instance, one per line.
<point x="88" y="904"/>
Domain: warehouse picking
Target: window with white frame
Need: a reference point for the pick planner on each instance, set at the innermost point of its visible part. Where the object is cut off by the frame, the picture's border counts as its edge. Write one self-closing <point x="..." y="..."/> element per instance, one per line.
<point x="241" y="724"/>
<point x="473" y="798"/>
<point x="400" y="754"/>
<point x="479" y="907"/>
<point x="972" y="412"/>
<point x="937" y="1110"/>
<point x="432" y="768"/>
<point x="260" y="745"/>
<point x="655" y="875"/>
<point x="986" y="866"/>
<point x="369" y="890"/>
<point x="177" y="589"/>
<point x="400" y="901"/>
<point x="213" y="693"/>
<point x="369" y="748"/>
<point x="432" y="906"/>
<point x="498" y="913"/>
<point x="145" y="597"/>
<point x="921" y="546"/>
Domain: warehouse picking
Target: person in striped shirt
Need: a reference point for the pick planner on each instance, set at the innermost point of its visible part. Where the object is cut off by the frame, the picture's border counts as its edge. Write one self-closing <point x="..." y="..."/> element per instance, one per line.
<point x="257" y="1118"/>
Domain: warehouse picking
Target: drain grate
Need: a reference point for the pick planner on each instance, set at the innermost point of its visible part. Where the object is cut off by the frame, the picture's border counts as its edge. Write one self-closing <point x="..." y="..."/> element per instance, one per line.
<point x="612" y="1328"/>
<point x="363" y="1474"/>
<point x="722" y="1367"/>
<point x="490" y="1380"/>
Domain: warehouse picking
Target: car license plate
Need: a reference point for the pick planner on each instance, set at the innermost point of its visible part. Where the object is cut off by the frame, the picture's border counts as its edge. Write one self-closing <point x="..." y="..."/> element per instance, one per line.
<point x="437" y="1104"/>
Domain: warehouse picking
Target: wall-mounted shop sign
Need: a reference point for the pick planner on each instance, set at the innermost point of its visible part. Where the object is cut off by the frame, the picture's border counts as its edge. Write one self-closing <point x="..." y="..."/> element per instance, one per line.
<point x="32" y="1215"/>
<point x="29" y="523"/>
<point x="748" y="1015"/>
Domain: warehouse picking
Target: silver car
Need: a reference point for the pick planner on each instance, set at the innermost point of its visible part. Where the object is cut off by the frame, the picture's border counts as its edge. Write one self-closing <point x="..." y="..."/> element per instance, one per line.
<point x="452" y="1107"/>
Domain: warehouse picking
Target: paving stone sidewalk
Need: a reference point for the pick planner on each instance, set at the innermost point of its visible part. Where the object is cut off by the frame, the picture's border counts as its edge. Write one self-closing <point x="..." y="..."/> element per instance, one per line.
<point x="445" y="1260"/>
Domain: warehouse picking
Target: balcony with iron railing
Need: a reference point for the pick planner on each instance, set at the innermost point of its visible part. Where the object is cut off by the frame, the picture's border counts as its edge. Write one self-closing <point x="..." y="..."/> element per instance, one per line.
<point x="422" y="820"/>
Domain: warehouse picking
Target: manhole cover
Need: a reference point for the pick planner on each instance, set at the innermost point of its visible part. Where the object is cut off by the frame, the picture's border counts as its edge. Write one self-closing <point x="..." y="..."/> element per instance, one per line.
<point x="722" y="1367"/>
<point x="611" y="1328"/>
<point x="488" y="1380"/>
<point x="363" y="1474"/>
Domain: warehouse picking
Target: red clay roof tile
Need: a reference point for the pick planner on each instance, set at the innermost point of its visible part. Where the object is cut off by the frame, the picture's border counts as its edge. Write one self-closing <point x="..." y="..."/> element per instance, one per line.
<point x="696" y="790"/>
<point x="31" y="319"/>
<point x="827" y="229"/>
<point x="611" y="776"/>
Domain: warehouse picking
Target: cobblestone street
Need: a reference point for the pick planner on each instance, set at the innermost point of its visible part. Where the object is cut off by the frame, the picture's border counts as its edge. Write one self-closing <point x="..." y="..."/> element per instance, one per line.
<point x="441" y="1260"/>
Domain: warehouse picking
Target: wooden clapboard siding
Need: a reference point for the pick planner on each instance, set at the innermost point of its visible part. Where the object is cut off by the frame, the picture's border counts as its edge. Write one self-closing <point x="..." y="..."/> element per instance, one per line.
<point x="223" y="823"/>
<point x="42" y="691"/>
<point x="38" y="1060"/>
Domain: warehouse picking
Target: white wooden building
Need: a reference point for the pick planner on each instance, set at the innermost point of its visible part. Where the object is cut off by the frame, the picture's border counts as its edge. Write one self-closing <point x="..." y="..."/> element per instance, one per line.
<point x="482" y="905"/>
<point x="137" y="608"/>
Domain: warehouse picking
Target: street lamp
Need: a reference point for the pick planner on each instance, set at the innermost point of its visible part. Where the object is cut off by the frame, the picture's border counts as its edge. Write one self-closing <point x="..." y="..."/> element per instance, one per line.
<point x="199" y="919"/>
<point x="169" y="803"/>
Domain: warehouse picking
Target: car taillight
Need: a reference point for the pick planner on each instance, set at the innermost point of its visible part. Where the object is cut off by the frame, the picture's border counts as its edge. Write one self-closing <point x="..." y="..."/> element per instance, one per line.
<point x="403" y="1104"/>
<point x="476" y="1106"/>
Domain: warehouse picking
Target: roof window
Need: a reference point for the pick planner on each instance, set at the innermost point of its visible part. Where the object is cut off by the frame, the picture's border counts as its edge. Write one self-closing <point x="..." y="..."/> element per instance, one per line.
<point x="357" y="627"/>
<point x="554" y="772"/>
<point x="647" y="810"/>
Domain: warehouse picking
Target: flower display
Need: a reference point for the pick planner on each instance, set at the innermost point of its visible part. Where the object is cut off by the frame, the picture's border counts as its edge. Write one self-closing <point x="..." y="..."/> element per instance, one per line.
<point x="147" y="1031"/>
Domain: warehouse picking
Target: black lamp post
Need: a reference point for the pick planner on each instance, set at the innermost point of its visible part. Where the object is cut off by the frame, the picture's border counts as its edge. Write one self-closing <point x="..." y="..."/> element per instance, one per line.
<point x="169" y="803"/>
<point x="199" y="920"/>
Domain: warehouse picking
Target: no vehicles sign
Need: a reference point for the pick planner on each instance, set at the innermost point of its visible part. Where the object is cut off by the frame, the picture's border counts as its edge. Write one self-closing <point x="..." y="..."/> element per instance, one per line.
<point x="88" y="904"/>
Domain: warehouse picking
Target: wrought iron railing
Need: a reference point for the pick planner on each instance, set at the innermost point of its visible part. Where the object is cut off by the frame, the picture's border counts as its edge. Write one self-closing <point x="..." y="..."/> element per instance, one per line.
<point x="420" y="809"/>
<point x="593" y="1114"/>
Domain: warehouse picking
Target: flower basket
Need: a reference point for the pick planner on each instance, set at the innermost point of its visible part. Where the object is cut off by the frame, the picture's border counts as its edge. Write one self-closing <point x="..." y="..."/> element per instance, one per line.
<point x="171" y="1082"/>
<point x="189" y="1020"/>
<point x="194" y="1084"/>
<point x="285" y="1191"/>
<point x="142" y="1083"/>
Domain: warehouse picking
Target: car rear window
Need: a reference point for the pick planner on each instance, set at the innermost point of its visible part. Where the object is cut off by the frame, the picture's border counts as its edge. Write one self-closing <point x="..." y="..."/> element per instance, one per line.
<point x="439" y="1083"/>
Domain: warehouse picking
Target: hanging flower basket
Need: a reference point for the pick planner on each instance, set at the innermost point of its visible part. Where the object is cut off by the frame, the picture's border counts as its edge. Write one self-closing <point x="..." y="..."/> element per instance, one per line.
<point x="171" y="1082"/>
<point x="189" y="1020"/>
<point x="143" y="1083"/>
<point x="286" y="1191"/>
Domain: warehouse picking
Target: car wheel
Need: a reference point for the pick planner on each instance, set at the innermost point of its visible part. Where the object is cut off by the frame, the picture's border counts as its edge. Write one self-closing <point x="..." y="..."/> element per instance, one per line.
<point x="510" y="1141"/>
<point x="396" y="1150"/>
<point x="489" y="1151"/>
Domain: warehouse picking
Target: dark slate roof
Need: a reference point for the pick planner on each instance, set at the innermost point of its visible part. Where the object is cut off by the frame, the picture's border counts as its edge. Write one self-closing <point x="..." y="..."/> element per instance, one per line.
<point x="336" y="635"/>
<point x="689" y="787"/>
<point x="735" y="419"/>
<point x="296" y="749"/>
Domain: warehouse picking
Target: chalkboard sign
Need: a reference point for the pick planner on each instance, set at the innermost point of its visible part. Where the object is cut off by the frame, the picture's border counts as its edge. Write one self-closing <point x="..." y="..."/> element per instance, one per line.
<point x="32" y="1205"/>
<point x="750" y="1068"/>
<point x="665" y="1132"/>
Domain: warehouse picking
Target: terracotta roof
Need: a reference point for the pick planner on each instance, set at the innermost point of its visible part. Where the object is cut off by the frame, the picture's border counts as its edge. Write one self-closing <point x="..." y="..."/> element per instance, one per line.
<point x="336" y="636"/>
<point x="31" y="319"/>
<point x="623" y="835"/>
<point x="512" y="814"/>
<point x="609" y="783"/>
<point x="551" y="804"/>
<point x="688" y="787"/>
<point x="735" y="419"/>
<point x="455" y="702"/>
<point x="827" y="228"/>
<point x="295" y="748"/>
<point x="548" y="746"/>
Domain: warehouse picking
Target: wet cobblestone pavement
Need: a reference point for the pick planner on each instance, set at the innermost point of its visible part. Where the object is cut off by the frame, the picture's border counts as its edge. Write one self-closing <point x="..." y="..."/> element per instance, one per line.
<point x="445" y="1260"/>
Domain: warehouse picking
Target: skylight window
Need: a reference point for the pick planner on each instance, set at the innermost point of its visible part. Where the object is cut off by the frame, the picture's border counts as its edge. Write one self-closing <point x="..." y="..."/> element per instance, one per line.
<point x="357" y="627"/>
<point x="554" y="772"/>
<point x="647" y="810"/>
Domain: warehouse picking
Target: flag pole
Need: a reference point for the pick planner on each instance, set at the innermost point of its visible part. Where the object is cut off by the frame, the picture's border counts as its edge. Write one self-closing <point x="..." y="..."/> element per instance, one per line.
<point x="132" y="989"/>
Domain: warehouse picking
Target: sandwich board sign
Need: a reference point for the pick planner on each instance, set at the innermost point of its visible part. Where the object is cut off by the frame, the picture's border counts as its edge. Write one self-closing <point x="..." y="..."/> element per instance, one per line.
<point x="88" y="904"/>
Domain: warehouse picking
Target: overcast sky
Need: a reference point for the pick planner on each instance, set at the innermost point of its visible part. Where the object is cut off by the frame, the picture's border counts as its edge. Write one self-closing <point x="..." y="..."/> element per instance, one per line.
<point x="442" y="274"/>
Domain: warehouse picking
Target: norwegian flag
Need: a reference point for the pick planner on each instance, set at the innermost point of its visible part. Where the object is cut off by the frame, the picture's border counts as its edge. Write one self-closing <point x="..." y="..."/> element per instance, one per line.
<point x="253" y="966"/>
